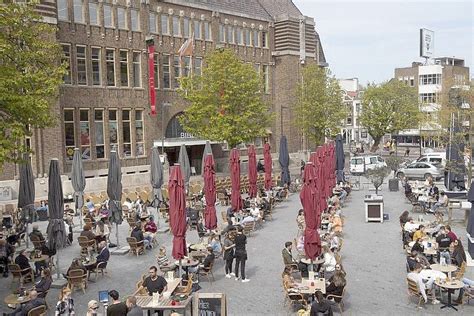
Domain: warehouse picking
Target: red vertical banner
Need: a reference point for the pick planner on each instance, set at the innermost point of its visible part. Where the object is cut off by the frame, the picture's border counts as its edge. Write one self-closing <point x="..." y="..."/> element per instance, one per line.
<point x="151" y="77"/>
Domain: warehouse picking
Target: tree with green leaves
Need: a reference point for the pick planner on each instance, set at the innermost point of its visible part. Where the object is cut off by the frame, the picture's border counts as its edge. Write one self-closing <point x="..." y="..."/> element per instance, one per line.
<point x="376" y="176"/>
<point x="388" y="108"/>
<point x="226" y="102"/>
<point x="319" y="108"/>
<point x="30" y="74"/>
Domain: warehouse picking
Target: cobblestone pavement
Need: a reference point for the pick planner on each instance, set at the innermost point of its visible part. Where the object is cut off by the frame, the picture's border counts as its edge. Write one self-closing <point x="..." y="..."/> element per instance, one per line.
<point x="372" y="256"/>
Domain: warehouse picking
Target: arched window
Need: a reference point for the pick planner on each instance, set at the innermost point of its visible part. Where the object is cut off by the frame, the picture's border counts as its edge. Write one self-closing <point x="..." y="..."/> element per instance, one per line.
<point x="175" y="129"/>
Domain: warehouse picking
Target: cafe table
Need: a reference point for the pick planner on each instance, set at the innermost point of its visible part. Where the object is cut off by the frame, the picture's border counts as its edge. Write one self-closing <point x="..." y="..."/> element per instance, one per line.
<point x="444" y="268"/>
<point x="147" y="303"/>
<point x="40" y="258"/>
<point x="15" y="299"/>
<point x="308" y="286"/>
<point x="198" y="247"/>
<point x="186" y="263"/>
<point x="450" y="286"/>
<point x="309" y="261"/>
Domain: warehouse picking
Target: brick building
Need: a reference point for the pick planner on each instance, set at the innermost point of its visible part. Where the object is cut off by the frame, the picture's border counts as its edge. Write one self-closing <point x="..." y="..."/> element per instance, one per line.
<point x="104" y="101"/>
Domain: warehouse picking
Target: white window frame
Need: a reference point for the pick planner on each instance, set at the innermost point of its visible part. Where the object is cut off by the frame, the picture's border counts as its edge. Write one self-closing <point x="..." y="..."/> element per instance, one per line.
<point x="173" y="19"/>
<point x="77" y="3"/>
<point x="112" y="24"/>
<point x="197" y="25"/>
<point x="63" y="7"/>
<point x="152" y="18"/>
<point x="134" y="64"/>
<point x="96" y="144"/>
<point x="69" y="61"/>
<point x="84" y="59"/>
<point x="126" y="63"/>
<point x="135" y="27"/>
<point x="91" y="7"/>
<point x="124" y="10"/>
<point x="89" y="131"/>
<point x="107" y="63"/>
<point x="167" y="18"/>
<point x="207" y="29"/>
<point x="99" y="62"/>
<point x="130" y="133"/>
<point x="143" y="131"/>
<point x="170" y="81"/>
<point x="67" y="147"/>
<point x="156" y="66"/>
<point x="117" y="126"/>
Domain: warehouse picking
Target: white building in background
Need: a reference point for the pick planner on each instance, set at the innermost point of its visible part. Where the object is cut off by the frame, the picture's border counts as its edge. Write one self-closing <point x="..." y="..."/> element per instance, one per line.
<point x="352" y="131"/>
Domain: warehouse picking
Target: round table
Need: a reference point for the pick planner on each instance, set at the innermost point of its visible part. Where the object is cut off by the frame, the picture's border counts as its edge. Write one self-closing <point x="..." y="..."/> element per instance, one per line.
<point x="14" y="299"/>
<point x="198" y="247"/>
<point x="444" y="268"/>
<point x="308" y="261"/>
<point x="39" y="259"/>
<point x="450" y="286"/>
<point x="186" y="263"/>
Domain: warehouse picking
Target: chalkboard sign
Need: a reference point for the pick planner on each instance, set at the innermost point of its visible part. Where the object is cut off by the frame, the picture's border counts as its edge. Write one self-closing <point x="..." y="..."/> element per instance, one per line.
<point x="210" y="304"/>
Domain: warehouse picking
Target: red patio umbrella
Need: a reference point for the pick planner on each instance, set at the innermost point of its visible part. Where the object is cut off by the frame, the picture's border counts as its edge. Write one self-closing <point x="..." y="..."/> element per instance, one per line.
<point x="177" y="213"/>
<point x="267" y="162"/>
<point x="308" y="197"/>
<point x="210" y="219"/>
<point x="321" y="183"/>
<point x="252" y="171"/>
<point x="234" y="166"/>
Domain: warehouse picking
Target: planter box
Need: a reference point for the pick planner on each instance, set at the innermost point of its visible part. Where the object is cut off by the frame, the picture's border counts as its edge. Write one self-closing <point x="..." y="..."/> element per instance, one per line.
<point x="373" y="208"/>
<point x="393" y="185"/>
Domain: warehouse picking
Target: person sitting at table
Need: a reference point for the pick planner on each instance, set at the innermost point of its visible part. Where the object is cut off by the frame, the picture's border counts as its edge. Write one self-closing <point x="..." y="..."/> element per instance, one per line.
<point x="128" y="203"/>
<point x="288" y="280"/>
<point x="117" y="307"/>
<point x="153" y="283"/>
<point x="92" y="307"/>
<point x="320" y="305"/>
<point x="36" y="234"/>
<point x="87" y="232"/>
<point x="90" y="206"/>
<point x="300" y="221"/>
<point x="404" y="218"/>
<point x="255" y="211"/>
<point x="215" y="244"/>
<point x="300" y="244"/>
<point x="201" y="229"/>
<point x="458" y="256"/>
<point x="335" y="223"/>
<point x="424" y="285"/>
<point x="162" y="260"/>
<point x="43" y="285"/>
<point x="39" y="265"/>
<point x="91" y="217"/>
<point x="339" y="190"/>
<point x="410" y="226"/>
<point x="468" y="285"/>
<point x="137" y="233"/>
<point x="133" y="308"/>
<point x="22" y="261"/>
<point x="144" y="213"/>
<point x="248" y="218"/>
<point x="444" y="242"/>
<point x="103" y="256"/>
<point x="442" y="201"/>
<point x="6" y="251"/>
<point x="206" y="264"/>
<point x="450" y="233"/>
<point x="336" y="285"/>
<point x="333" y="241"/>
<point x="76" y="264"/>
<point x="150" y="229"/>
<point x="419" y="233"/>
<point x="412" y="260"/>
<point x="23" y="309"/>
<point x="65" y="304"/>
<point x="329" y="265"/>
<point x="102" y="230"/>
<point x="418" y="246"/>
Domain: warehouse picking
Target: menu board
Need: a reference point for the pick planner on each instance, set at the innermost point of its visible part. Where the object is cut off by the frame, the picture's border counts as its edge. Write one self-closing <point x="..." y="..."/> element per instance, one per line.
<point x="210" y="304"/>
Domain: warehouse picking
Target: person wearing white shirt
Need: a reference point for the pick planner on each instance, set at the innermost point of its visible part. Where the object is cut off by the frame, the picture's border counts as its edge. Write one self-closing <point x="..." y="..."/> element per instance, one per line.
<point x="247" y="219"/>
<point x="410" y="226"/>
<point x="329" y="264"/>
<point x="424" y="282"/>
<point x="254" y="211"/>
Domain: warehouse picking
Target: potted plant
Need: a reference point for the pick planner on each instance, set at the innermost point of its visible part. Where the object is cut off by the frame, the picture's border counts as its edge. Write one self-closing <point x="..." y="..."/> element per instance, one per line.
<point x="376" y="176"/>
<point x="393" y="163"/>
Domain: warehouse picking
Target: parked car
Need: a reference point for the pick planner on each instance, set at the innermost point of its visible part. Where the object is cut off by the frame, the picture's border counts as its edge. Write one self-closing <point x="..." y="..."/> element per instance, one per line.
<point x="438" y="159"/>
<point x="420" y="170"/>
<point x="360" y="164"/>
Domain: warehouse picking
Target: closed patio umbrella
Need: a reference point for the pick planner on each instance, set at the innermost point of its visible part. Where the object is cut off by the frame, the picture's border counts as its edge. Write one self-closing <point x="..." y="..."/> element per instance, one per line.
<point x="252" y="169"/>
<point x="210" y="219"/>
<point x="340" y="159"/>
<point x="470" y="222"/>
<point x="234" y="166"/>
<point x="114" y="191"/>
<point x="267" y="162"/>
<point x="156" y="176"/>
<point x="455" y="166"/>
<point x="26" y="193"/>
<point x="78" y="182"/>
<point x="207" y="150"/>
<point x="284" y="160"/>
<point x="177" y="196"/>
<point x="308" y="197"/>
<point x="56" y="231"/>
<point x="183" y="161"/>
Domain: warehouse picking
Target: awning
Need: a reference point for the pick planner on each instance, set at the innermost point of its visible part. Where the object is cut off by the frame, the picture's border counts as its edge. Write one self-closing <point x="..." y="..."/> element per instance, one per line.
<point x="177" y="142"/>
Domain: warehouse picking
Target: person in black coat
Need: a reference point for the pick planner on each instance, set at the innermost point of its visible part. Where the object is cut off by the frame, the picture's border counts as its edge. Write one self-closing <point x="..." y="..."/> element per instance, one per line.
<point x="23" y="262"/>
<point x="240" y="254"/>
<point x="320" y="306"/>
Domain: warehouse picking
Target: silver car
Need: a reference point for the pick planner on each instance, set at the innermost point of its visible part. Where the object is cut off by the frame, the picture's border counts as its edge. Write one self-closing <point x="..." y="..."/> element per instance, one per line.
<point x="420" y="170"/>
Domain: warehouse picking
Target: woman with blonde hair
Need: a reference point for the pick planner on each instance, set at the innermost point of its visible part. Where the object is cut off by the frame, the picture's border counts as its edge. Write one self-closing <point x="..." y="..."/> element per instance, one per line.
<point x="65" y="305"/>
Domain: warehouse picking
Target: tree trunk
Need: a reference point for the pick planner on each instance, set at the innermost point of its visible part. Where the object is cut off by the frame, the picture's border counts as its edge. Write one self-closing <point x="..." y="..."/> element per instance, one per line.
<point x="375" y="146"/>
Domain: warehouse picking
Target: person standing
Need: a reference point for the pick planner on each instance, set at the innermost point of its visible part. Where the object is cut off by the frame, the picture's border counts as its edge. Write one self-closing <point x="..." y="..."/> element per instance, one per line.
<point x="117" y="308"/>
<point x="240" y="255"/>
<point x="228" y="256"/>
<point x="65" y="305"/>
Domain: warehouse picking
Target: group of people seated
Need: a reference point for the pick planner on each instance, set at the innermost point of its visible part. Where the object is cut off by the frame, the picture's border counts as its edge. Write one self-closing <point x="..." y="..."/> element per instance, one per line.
<point x="145" y="232"/>
<point x="428" y="196"/>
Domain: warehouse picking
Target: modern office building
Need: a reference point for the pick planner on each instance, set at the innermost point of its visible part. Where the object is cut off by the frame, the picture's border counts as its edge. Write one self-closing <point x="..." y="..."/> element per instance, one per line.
<point x="104" y="101"/>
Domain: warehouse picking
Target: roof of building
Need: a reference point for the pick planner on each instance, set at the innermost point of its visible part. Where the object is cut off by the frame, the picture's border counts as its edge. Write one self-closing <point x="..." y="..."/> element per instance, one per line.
<point x="279" y="7"/>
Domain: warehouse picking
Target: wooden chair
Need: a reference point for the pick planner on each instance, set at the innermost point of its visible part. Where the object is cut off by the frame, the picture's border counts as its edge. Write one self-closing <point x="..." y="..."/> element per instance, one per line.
<point x="207" y="272"/>
<point x="38" y="311"/>
<point x="458" y="275"/>
<point x="248" y="228"/>
<point x="414" y="291"/>
<point x="77" y="278"/>
<point x="131" y="222"/>
<point x="86" y="245"/>
<point x="223" y="199"/>
<point x="143" y="291"/>
<point x="224" y="216"/>
<point x="341" y="298"/>
<point x="37" y="242"/>
<point x="296" y="298"/>
<point x="101" y="268"/>
<point x="136" y="248"/>
<point x="20" y="274"/>
<point x="186" y="290"/>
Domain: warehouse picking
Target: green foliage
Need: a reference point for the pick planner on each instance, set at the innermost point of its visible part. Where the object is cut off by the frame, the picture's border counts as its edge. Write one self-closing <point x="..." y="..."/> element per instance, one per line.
<point x="226" y="102"/>
<point x="376" y="176"/>
<point x="320" y="108"/>
<point x="30" y="73"/>
<point x="393" y="163"/>
<point x="388" y="108"/>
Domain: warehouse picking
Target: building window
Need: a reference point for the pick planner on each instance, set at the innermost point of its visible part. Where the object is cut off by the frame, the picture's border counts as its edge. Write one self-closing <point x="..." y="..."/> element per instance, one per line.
<point x="122" y="18"/>
<point x="197" y="30"/>
<point x="135" y="20"/>
<point x="108" y="16"/>
<point x="85" y="134"/>
<point x="429" y="79"/>
<point x="126" y="134"/>
<point x="69" y="135"/>
<point x="139" y="134"/>
<point x="156" y="65"/>
<point x="264" y="40"/>
<point x="96" y="71"/>
<point x="93" y="14"/>
<point x="177" y="71"/>
<point x="197" y="66"/>
<point x="230" y="34"/>
<point x="257" y="68"/>
<point x="136" y="60"/>
<point x="176" y="26"/>
<point x="186" y="26"/>
<point x="428" y="97"/>
<point x="152" y="23"/>
<point x="247" y="37"/>
<point x="123" y="68"/>
<point x="165" y="25"/>
<point x="207" y="31"/>
<point x="266" y="81"/>
<point x="78" y="11"/>
<point x="166" y="72"/>
<point x="221" y="33"/>
<point x="63" y="13"/>
<point x="239" y="38"/>
<point x="81" y="65"/>
<point x="110" y="63"/>
<point x="187" y="66"/>
<point x="255" y="38"/>
<point x="113" y="129"/>
<point x="99" y="133"/>
<point x="412" y="82"/>
<point x="459" y="79"/>
<point x="67" y="60"/>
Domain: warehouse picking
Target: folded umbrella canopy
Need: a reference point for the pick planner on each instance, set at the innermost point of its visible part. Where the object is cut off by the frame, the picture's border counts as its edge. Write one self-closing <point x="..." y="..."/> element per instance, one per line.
<point x="455" y="166"/>
<point x="207" y="150"/>
<point x="234" y="166"/>
<point x="183" y="161"/>
<point x="78" y="182"/>
<point x="26" y="191"/>
<point x="210" y="219"/>
<point x="156" y="176"/>
<point x="177" y="196"/>
<point x="340" y="159"/>
<point x="114" y="191"/>
<point x="309" y="200"/>
<point x="284" y="160"/>
<point x="267" y="162"/>
<point x="470" y="222"/>
<point x="252" y="169"/>
<point x="56" y="231"/>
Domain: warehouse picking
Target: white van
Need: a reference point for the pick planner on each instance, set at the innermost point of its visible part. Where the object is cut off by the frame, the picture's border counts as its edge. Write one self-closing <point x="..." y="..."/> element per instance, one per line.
<point x="438" y="159"/>
<point x="360" y="164"/>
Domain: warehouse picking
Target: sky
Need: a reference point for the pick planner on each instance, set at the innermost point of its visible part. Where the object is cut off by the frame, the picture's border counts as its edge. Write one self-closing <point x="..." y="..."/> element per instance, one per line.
<point x="368" y="39"/>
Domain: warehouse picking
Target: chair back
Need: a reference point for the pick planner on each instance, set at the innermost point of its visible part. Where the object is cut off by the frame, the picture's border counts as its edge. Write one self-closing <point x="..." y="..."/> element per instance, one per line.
<point x="14" y="269"/>
<point x="460" y="273"/>
<point x="132" y="242"/>
<point x="413" y="288"/>
<point x="38" y="311"/>
<point x="248" y="227"/>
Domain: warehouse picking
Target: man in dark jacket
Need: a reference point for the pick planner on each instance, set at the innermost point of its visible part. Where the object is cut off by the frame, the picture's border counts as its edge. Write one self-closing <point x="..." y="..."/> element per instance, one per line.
<point x="320" y="306"/>
<point x="23" y="262"/>
<point x="34" y="302"/>
<point x="137" y="233"/>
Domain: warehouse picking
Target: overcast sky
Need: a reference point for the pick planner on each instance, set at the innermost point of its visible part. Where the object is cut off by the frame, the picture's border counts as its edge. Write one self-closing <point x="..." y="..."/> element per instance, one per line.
<point x="369" y="38"/>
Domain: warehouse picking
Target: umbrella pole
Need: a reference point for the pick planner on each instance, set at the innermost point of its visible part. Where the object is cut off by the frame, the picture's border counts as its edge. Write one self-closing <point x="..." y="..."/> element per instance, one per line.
<point x="180" y="269"/>
<point x="57" y="266"/>
<point x="116" y="234"/>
